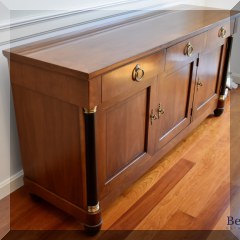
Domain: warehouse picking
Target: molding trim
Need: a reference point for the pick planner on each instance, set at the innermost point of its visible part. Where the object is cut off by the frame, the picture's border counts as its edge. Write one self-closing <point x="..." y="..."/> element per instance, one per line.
<point x="11" y="184"/>
<point x="58" y="29"/>
<point x="47" y="17"/>
<point x="64" y="22"/>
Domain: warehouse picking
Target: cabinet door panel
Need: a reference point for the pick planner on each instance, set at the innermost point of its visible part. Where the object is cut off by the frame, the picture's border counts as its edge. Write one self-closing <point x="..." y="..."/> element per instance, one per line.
<point x="206" y="88"/>
<point x="175" y="97"/>
<point x="125" y="138"/>
<point x="126" y="130"/>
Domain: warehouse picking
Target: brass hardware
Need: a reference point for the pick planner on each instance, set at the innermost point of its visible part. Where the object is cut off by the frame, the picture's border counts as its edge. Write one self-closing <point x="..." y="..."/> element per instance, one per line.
<point x="138" y="73"/>
<point x="222" y="32"/>
<point x="160" y="111"/>
<point x="93" y="209"/>
<point x="91" y="110"/>
<point x="222" y="98"/>
<point x="199" y="84"/>
<point x="153" y="117"/>
<point x="188" y="50"/>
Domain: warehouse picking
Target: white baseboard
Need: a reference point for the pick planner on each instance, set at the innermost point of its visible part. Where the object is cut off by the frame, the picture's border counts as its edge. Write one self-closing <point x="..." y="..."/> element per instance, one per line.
<point x="11" y="184"/>
<point x="236" y="77"/>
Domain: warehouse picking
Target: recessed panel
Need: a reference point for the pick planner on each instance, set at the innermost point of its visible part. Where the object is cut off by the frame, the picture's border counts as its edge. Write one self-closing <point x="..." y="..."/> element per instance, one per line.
<point x="174" y="95"/>
<point x="126" y="133"/>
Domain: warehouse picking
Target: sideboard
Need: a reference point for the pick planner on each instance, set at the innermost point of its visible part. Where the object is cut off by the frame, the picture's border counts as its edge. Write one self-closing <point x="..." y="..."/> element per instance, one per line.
<point x="96" y="110"/>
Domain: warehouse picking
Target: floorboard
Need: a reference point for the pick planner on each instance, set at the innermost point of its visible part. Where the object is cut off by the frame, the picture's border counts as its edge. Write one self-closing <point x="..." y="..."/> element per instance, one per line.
<point x="146" y="203"/>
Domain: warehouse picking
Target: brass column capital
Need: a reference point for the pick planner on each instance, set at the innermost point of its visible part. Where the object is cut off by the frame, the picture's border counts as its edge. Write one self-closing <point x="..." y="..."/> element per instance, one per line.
<point x="90" y="110"/>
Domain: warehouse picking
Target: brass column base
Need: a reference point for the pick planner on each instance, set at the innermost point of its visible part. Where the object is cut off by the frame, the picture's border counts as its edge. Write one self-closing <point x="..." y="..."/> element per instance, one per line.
<point x="221" y="104"/>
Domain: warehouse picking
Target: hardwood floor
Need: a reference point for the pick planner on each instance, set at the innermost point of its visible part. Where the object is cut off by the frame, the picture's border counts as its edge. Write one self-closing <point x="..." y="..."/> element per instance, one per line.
<point x="188" y="190"/>
<point x="4" y="216"/>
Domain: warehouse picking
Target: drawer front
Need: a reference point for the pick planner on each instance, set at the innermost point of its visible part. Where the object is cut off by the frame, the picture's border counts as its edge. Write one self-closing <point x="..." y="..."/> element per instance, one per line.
<point x="132" y="77"/>
<point x="217" y="36"/>
<point x="183" y="52"/>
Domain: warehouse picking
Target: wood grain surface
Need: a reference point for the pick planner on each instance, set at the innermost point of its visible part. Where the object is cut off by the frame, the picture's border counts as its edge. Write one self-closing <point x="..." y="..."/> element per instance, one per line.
<point x="97" y="53"/>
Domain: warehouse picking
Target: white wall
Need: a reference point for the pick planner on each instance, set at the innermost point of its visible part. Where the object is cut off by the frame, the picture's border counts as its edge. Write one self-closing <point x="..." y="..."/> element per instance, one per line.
<point x="234" y="64"/>
<point x="79" y="4"/>
<point x="225" y="4"/>
<point x="4" y="113"/>
<point x="235" y="58"/>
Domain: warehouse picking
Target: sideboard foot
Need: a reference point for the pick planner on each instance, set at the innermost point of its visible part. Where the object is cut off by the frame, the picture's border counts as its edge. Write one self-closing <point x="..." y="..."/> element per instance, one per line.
<point x="35" y="197"/>
<point x="221" y="104"/>
<point x="92" y="230"/>
<point x="218" y="112"/>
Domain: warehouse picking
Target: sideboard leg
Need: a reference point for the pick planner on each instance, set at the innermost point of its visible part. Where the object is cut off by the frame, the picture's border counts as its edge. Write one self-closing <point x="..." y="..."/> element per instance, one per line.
<point x="220" y="107"/>
<point x="94" y="214"/>
<point x="92" y="230"/>
<point x="221" y="101"/>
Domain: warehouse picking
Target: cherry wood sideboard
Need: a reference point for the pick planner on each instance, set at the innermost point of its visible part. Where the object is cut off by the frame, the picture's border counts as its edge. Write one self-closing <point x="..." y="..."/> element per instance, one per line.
<point x="96" y="110"/>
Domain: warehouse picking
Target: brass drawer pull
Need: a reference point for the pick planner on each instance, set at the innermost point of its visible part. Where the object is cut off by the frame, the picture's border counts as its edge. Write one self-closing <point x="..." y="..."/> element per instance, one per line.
<point x="188" y="50"/>
<point x="153" y="117"/>
<point x="199" y="84"/>
<point x="222" y="32"/>
<point x="138" y="73"/>
<point x="160" y="110"/>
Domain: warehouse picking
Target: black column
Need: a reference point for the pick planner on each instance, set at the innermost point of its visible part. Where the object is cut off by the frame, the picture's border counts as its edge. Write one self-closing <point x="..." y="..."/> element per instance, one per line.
<point x="221" y="101"/>
<point x="91" y="168"/>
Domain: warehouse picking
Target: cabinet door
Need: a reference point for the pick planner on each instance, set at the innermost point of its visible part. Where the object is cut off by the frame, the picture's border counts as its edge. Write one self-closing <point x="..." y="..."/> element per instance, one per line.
<point x="125" y="140"/>
<point x="125" y="136"/>
<point x="175" y="94"/>
<point x="207" y="82"/>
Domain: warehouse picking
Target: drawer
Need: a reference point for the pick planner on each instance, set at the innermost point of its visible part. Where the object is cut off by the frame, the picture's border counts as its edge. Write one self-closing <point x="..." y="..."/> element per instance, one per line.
<point x="132" y="76"/>
<point x="217" y="36"/>
<point x="183" y="52"/>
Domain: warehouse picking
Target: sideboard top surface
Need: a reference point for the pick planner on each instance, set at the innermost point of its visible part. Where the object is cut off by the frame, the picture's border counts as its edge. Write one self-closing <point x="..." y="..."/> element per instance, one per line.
<point x="93" y="54"/>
